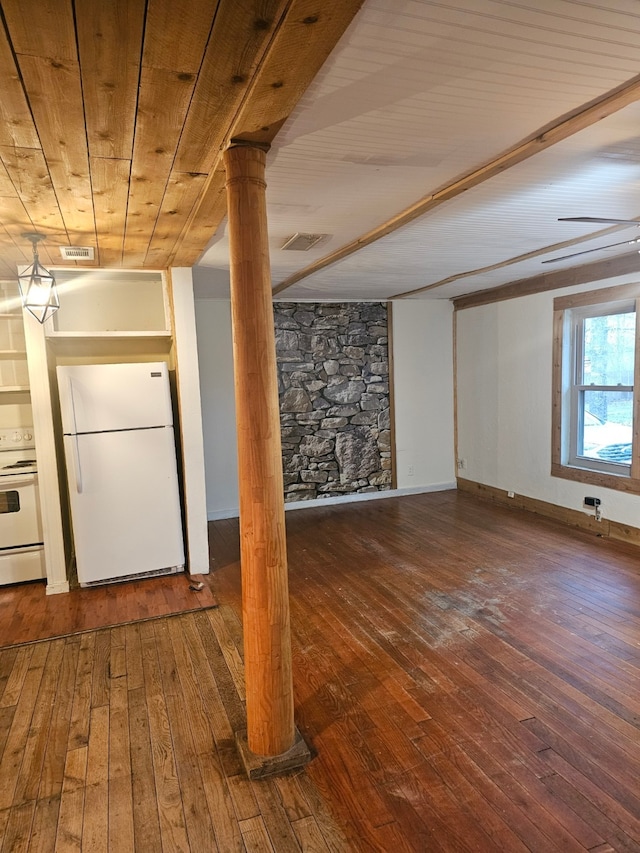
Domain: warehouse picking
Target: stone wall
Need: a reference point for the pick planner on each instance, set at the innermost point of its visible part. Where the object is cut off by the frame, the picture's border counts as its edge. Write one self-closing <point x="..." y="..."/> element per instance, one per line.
<point x="333" y="375"/>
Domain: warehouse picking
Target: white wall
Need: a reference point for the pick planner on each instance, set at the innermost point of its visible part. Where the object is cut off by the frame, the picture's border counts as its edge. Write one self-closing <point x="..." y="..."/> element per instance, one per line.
<point x="423" y="399"/>
<point x="504" y="382"/>
<point x="215" y="356"/>
<point x="423" y="393"/>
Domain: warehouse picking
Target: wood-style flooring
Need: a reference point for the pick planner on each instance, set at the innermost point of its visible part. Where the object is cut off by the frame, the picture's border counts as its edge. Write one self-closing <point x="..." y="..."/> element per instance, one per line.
<point x="466" y="674"/>
<point x="27" y="613"/>
<point x="122" y="740"/>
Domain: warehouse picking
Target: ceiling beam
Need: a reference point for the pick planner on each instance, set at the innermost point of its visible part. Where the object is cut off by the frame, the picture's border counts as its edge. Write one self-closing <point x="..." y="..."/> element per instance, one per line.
<point x="527" y="256"/>
<point x="595" y="271"/>
<point x="564" y="127"/>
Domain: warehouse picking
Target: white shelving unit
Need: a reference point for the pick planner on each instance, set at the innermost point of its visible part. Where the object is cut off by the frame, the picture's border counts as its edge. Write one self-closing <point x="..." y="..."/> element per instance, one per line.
<point x="15" y="402"/>
<point x="15" y="412"/>
<point x="107" y="313"/>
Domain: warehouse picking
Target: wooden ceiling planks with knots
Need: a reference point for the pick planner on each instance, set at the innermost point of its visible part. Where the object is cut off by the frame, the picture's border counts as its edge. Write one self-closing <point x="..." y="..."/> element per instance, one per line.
<point x="230" y="62"/>
<point x="113" y="116"/>
<point x="294" y="57"/>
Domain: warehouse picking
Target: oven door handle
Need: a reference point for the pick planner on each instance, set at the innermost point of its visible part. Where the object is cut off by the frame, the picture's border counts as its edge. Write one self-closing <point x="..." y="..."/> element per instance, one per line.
<point x="13" y="481"/>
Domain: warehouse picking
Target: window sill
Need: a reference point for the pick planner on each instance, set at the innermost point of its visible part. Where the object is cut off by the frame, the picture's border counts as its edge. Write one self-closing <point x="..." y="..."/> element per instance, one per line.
<point x="596" y="478"/>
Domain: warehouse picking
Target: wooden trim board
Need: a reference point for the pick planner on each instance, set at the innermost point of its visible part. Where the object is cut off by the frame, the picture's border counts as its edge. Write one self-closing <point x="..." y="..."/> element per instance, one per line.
<point x="617" y="293"/>
<point x="392" y="397"/>
<point x="605" y="529"/>
<point x="454" y="321"/>
<point x="570" y="277"/>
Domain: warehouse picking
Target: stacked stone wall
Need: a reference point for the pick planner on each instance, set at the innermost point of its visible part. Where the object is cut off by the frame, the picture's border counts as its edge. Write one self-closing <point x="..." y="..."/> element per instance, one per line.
<point x="333" y="375"/>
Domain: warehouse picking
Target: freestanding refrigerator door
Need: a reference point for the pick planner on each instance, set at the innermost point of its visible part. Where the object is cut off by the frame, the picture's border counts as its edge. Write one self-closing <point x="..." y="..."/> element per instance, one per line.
<point x="125" y="504"/>
<point x="109" y="397"/>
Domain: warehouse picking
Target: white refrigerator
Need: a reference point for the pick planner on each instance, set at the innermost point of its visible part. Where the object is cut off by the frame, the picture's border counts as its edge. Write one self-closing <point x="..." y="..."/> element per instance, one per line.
<point x="120" y="457"/>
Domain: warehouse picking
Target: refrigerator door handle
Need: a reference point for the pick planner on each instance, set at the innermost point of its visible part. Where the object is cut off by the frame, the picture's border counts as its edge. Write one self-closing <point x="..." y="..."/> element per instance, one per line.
<point x="72" y="408"/>
<point x="76" y="464"/>
<point x="76" y="450"/>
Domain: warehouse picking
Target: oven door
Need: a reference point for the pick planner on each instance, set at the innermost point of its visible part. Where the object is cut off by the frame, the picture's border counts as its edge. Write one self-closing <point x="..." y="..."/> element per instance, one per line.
<point x="19" y="512"/>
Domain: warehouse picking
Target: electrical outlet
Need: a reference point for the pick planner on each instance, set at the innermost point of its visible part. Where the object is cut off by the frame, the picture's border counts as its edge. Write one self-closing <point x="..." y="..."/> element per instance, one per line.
<point x="410" y="471"/>
<point x="462" y="463"/>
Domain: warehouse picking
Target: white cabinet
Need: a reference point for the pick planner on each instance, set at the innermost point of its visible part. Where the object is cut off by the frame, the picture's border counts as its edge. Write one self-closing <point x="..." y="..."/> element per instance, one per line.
<point x="110" y="314"/>
<point x="15" y="399"/>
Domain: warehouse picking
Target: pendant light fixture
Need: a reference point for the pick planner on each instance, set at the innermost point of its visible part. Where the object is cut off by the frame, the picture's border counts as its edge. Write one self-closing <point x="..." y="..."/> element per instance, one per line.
<point x="38" y="285"/>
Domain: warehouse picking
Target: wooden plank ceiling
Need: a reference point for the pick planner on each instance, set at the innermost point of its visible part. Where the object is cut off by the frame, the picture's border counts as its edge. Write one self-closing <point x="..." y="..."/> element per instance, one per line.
<point x="113" y="116"/>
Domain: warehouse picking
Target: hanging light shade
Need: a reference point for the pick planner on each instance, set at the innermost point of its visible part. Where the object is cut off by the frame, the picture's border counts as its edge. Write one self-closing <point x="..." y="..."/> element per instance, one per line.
<point x="38" y="285"/>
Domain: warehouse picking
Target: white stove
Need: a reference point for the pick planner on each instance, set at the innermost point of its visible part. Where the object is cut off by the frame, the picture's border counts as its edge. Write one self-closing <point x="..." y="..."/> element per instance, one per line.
<point x="21" y="545"/>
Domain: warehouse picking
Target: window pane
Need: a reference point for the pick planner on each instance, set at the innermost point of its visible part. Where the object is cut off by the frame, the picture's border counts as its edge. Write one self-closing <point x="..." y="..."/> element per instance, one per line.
<point x="608" y="349"/>
<point x="607" y="418"/>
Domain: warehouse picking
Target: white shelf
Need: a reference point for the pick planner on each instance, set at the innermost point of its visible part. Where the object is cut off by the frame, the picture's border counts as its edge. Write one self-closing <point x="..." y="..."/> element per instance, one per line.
<point x="109" y="343"/>
<point x="15" y="396"/>
<point x="100" y="336"/>
<point x="14" y="389"/>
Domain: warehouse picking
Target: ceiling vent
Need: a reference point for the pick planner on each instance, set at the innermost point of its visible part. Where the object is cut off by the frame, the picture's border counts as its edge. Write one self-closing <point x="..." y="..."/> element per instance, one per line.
<point x="303" y="242"/>
<point x="77" y="253"/>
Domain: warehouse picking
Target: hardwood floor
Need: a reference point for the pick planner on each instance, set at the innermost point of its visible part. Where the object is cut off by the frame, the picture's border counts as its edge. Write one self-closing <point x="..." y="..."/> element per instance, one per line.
<point x="121" y="740"/>
<point x="467" y="676"/>
<point x="27" y="613"/>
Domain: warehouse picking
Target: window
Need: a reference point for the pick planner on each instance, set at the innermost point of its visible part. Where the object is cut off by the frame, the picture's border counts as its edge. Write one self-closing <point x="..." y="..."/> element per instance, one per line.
<point x="595" y="402"/>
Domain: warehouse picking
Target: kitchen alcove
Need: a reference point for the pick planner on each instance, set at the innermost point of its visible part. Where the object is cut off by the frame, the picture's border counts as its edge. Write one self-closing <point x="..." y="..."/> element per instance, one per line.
<point x="116" y="316"/>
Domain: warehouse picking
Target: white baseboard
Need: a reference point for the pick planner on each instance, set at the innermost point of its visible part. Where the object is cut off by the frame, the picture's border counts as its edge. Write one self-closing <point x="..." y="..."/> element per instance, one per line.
<point x="343" y="499"/>
<point x="216" y="515"/>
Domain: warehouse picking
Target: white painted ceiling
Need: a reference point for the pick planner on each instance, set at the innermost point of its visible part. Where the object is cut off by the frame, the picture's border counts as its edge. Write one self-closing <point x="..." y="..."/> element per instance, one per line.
<point x="418" y="93"/>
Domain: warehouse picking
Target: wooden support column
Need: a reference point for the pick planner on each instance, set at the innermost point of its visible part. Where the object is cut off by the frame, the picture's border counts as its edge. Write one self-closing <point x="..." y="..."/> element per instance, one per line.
<point x="272" y="743"/>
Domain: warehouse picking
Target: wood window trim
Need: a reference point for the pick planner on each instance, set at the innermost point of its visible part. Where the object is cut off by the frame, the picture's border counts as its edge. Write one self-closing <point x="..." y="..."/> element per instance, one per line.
<point x="592" y="297"/>
<point x="631" y="484"/>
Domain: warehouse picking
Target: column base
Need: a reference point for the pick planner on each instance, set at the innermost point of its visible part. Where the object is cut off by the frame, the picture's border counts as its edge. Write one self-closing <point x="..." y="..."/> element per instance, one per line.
<point x="263" y="766"/>
<point x="58" y="587"/>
